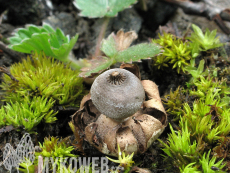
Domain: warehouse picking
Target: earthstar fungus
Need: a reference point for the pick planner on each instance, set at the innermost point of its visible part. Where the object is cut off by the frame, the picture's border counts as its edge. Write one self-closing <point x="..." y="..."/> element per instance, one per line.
<point x="104" y="129"/>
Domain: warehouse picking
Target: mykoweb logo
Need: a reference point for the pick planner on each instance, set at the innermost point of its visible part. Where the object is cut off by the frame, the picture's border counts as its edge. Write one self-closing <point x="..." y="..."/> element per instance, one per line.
<point x="84" y="164"/>
<point x="25" y="152"/>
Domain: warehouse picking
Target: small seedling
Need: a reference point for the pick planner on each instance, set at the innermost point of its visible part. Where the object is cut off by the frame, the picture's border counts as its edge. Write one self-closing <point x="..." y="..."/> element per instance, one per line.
<point x="124" y="161"/>
<point x="113" y="47"/>
<point x="195" y="72"/>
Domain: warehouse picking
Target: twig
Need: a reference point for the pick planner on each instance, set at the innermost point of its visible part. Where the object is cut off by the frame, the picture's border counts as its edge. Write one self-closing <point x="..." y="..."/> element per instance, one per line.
<point x="6" y="71"/>
<point x="221" y="24"/>
<point x="15" y="55"/>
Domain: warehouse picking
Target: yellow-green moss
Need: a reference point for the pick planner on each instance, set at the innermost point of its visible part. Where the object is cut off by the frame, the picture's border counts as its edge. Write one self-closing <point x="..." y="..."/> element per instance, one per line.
<point x="42" y="76"/>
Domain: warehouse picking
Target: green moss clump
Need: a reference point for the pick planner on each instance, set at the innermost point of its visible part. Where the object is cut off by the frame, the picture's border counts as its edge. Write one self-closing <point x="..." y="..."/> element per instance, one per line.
<point x="39" y="84"/>
<point x="54" y="148"/>
<point x="203" y="123"/>
<point x="176" y="52"/>
<point x="41" y="76"/>
<point x="180" y="149"/>
<point x="28" y="112"/>
<point x="174" y="103"/>
<point x="206" y="81"/>
<point x="204" y="41"/>
<point x="209" y="118"/>
<point x="208" y="164"/>
<point x="184" y="152"/>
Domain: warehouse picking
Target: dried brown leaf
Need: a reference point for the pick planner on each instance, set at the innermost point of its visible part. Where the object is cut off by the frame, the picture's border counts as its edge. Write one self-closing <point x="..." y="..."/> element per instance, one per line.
<point x="124" y="39"/>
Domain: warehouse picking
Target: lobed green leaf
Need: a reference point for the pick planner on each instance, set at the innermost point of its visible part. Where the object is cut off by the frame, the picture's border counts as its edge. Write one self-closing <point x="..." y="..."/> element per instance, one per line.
<point x="43" y="39"/>
<point x="101" y="8"/>
<point x="137" y="52"/>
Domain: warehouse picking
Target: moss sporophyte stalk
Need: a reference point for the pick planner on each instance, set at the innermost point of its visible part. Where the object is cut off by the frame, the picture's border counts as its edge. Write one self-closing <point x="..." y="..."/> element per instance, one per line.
<point x="39" y="84"/>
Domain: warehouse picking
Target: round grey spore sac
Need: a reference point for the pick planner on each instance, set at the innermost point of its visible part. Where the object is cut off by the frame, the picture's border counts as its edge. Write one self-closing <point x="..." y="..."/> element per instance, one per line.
<point x="117" y="93"/>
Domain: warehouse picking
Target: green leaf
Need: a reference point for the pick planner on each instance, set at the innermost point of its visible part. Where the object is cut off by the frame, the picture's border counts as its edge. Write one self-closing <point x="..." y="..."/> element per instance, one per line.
<point x="23" y="33"/>
<point x="64" y="49"/>
<point x="101" y="8"/>
<point x="116" y="47"/>
<point x="97" y="65"/>
<point x="108" y="46"/>
<point x="34" y="29"/>
<point x="198" y="31"/>
<point x="48" y="28"/>
<point x="15" y="40"/>
<point x="37" y="39"/>
<point x="137" y="52"/>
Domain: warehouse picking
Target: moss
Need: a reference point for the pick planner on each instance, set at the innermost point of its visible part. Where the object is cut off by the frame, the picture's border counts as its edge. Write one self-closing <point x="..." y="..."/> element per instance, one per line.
<point x="180" y="149"/>
<point x="27" y="113"/>
<point x="33" y="87"/>
<point x="125" y="161"/>
<point x="41" y="76"/>
<point x="52" y="147"/>
<point x="174" y="103"/>
<point x="203" y="125"/>
<point x="208" y="119"/>
<point x="204" y="41"/>
<point x="176" y="52"/>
